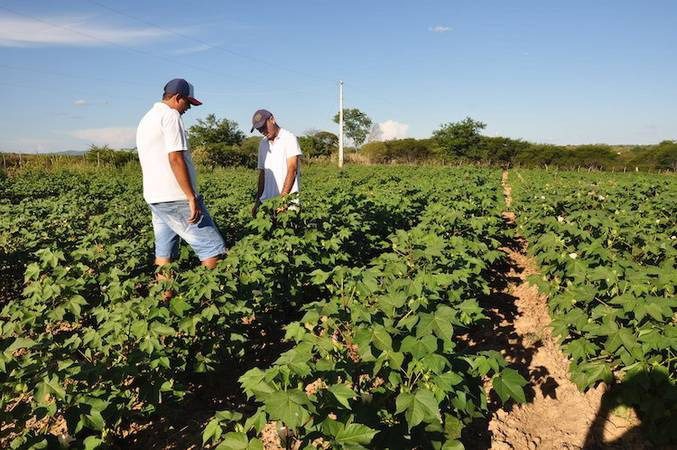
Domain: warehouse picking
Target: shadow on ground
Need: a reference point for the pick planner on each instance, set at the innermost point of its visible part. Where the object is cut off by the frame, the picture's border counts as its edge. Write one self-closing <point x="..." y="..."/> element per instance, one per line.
<point x="653" y="397"/>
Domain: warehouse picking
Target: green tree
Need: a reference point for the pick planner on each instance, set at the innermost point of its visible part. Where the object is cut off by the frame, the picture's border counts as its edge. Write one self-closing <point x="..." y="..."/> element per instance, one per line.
<point x="318" y="143"/>
<point x="459" y="139"/>
<point x="214" y="131"/>
<point x="103" y="154"/>
<point x="356" y="124"/>
<point x="501" y="150"/>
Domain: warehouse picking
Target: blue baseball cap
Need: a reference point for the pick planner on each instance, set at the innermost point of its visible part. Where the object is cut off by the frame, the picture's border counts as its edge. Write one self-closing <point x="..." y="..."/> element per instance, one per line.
<point x="181" y="86"/>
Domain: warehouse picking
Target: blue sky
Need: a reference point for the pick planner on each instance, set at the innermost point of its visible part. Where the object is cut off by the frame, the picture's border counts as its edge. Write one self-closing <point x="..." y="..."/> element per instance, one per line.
<point x="77" y="72"/>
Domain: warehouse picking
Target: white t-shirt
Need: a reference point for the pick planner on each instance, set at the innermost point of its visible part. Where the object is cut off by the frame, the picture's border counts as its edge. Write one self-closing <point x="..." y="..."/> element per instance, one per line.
<point x="273" y="161"/>
<point x="161" y="132"/>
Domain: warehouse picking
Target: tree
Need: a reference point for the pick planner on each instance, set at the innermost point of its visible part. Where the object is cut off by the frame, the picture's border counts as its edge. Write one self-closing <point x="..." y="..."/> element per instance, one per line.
<point x="103" y="154"/>
<point x="356" y="124"/>
<point x="458" y="139"/>
<point x="214" y="131"/>
<point x="318" y="143"/>
<point x="499" y="149"/>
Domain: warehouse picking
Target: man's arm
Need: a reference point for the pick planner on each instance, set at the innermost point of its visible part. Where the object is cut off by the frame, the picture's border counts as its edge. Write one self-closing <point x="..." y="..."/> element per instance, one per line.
<point x="259" y="191"/>
<point x="178" y="165"/>
<point x="292" y="168"/>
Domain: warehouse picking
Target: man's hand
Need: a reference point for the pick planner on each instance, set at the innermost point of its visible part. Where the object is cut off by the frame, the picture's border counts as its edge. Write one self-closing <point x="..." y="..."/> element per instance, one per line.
<point x="195" y="210"/>
<point x="178" y="165"/>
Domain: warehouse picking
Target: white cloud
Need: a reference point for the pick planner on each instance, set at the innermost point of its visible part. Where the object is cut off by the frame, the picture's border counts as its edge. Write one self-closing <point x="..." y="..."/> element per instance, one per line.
<point x="189" y="50"/>
<point x="69" y="31"/>
<point x="116" y="137"/>
<point x="80" y="102"/>
<point x="439" y="29"/>
<point x="388" y="130"/>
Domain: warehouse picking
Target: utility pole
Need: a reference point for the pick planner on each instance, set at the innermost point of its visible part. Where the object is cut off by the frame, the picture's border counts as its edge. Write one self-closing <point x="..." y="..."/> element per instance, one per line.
<point x="340" y="151"/>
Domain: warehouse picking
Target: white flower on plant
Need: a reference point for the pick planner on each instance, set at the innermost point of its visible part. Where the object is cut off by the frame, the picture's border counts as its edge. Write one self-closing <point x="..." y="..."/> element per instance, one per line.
<point x="560" y="219"/>
<point x="573" y="255"/>
<point x="601" y="197"/>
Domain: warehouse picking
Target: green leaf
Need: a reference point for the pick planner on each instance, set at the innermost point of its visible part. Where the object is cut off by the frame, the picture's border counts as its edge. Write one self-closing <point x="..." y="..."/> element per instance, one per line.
<point x="288" y="406"/>
<point x="441" y="322"/>
<point x="94" y="420"/>
<point x="355" y="433"/>
<point x="418" y="407"/>
<point x="508" y="384"/>
<point x="234" y="441"/>
<point x="419" y="348"/>
<point x="92" y="442"/>
<point x="212" y="431"/>
<point x="19" y="343"/>
<point x="453" y="444"/>
<point x="581" y="348"/>
<point x="162" y="329"/>
<point x="228" y="416"/>
<point x="255" y="444"/>
<point x="452" y="427"/>
<point x="139" y="328"/>
<point x="381" y="339"/>
<point x="257" y="421"/>
<point x="342" y="393"/>
<point x="253" y="382"/>
<point x="178" y="306"/>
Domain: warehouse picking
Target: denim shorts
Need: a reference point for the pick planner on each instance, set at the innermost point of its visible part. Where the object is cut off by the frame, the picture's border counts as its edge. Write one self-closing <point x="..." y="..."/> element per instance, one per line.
<point x="170" y="221"/>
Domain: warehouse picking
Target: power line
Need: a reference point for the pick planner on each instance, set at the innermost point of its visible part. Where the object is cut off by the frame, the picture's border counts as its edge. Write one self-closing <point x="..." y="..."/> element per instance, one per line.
<point x="226" y="50"/>
<point x="135" y="83"/>
<point x="210" y="45"/>
<point x="126" y="47"/>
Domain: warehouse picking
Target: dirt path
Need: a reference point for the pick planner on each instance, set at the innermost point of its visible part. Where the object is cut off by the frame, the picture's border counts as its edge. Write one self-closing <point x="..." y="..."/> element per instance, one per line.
<point x="557" y="415"/>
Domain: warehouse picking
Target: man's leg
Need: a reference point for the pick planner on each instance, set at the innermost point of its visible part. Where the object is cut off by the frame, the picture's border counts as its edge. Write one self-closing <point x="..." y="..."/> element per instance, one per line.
<point x="166" y="245"/>
<point x="168" y="294"/>
<point x="210" y="263"/>
<point x="205" y="239"/>
<point x="203" y="236"/>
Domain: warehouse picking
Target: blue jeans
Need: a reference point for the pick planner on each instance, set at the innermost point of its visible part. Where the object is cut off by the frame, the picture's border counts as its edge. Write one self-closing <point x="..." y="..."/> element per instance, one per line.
<point x="170" y="222"/>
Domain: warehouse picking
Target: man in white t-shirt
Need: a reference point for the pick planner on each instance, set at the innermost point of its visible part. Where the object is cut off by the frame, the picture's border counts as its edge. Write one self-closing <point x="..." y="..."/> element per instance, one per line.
<point x="169" y="180"/>
<point x="278" y="163"/>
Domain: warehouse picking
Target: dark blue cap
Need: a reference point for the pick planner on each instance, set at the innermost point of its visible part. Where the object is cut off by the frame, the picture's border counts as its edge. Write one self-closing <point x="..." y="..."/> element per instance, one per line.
<point x="259" y="118"/>
<point x="181" y="86"/>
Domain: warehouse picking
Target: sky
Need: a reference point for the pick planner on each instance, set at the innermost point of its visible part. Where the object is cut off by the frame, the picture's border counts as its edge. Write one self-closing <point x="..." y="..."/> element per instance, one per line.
<point x="83" y="72"/>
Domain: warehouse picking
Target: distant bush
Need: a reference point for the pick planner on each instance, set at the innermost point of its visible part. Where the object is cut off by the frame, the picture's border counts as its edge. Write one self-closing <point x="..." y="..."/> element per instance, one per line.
<point x="401" y="151"/>
<point x="108" y="156"/>
<point x="321" y="143"/>
<point x="497" y="150"/>
<point x="662" y="157"/>
<point x="224" y="155"/>
<point x="597" y="156"/>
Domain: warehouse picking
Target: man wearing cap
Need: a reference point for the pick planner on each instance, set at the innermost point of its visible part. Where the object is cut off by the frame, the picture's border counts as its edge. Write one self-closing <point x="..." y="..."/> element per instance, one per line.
<point x="169" y="180"/>
<point x="278" y="163"/>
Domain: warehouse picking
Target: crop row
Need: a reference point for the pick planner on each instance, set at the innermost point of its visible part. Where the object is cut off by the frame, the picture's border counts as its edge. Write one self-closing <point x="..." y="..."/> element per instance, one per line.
<point x="377" y="361"/>
<point x="607" y="248"/>
<point x="91" y="344"/>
